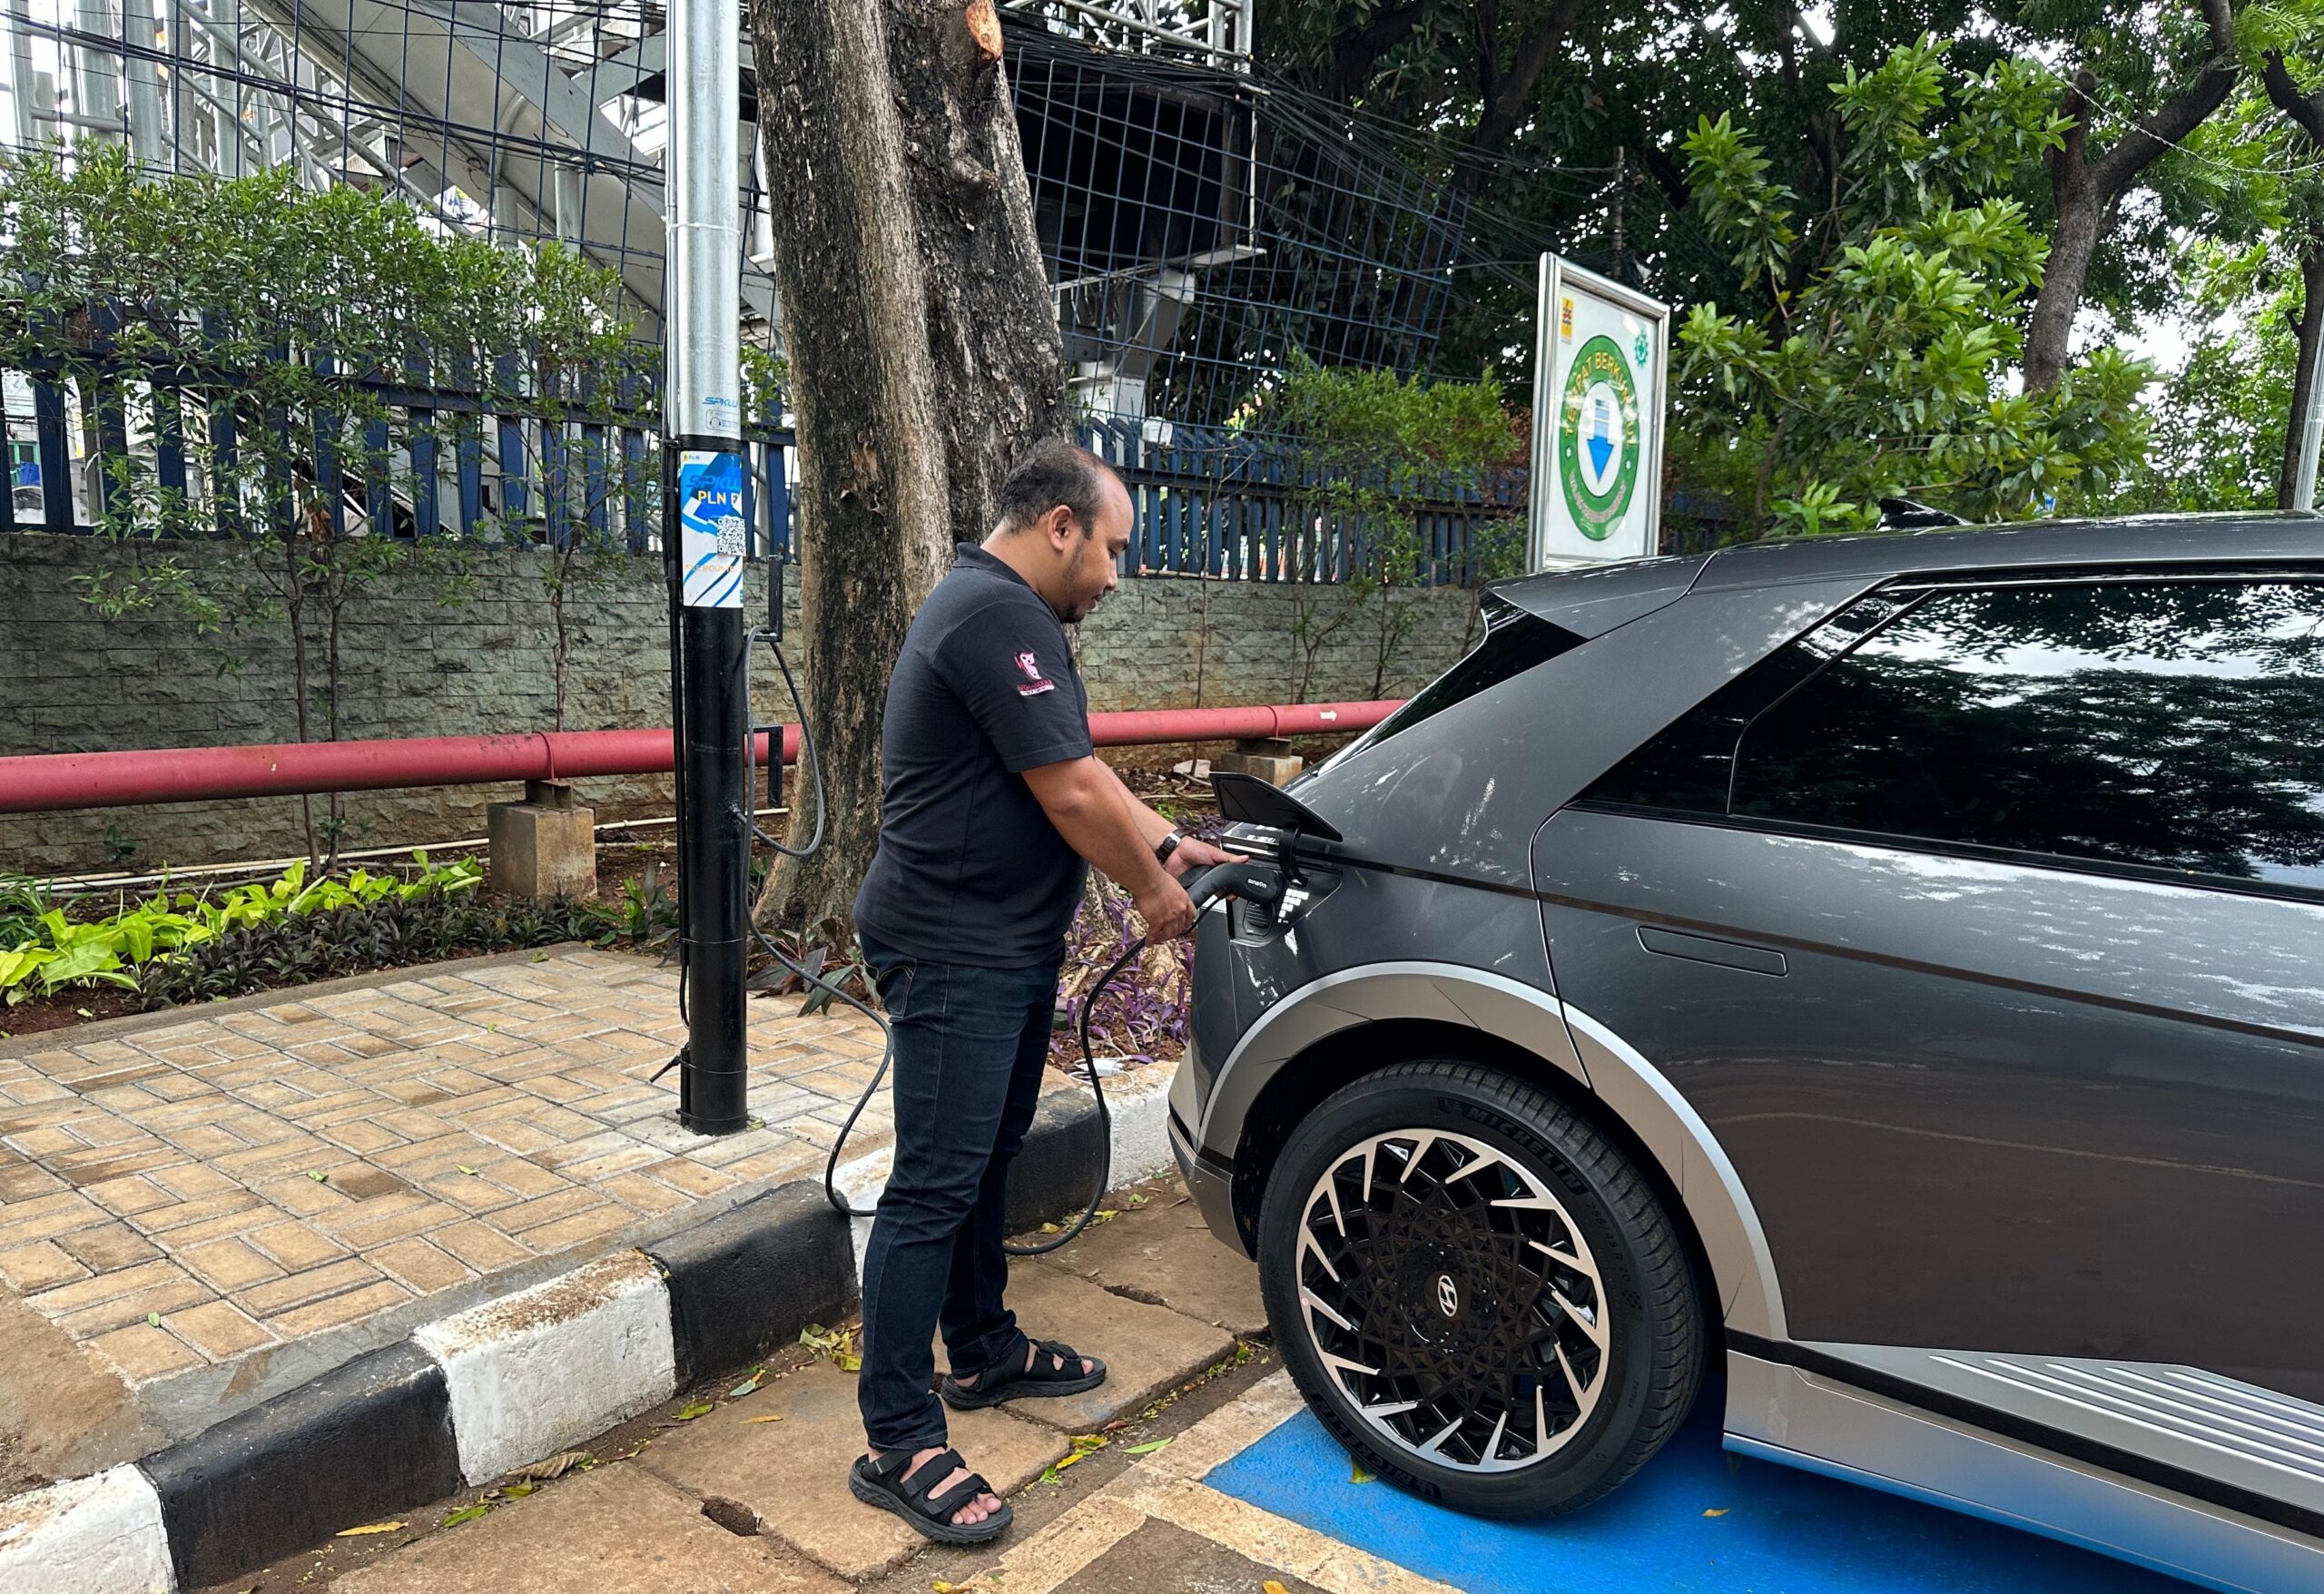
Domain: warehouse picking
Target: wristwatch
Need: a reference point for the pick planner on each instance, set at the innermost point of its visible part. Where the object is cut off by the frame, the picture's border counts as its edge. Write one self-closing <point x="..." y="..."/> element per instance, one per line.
<point x="1168" y="845"/>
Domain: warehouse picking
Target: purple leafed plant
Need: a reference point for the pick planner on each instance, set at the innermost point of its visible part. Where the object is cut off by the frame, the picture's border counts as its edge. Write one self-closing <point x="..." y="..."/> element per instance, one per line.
<point x="1141" y="1015"/>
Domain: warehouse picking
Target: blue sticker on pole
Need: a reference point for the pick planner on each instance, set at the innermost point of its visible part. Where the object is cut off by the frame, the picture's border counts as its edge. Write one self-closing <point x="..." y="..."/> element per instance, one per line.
<point x="710" y="521"/>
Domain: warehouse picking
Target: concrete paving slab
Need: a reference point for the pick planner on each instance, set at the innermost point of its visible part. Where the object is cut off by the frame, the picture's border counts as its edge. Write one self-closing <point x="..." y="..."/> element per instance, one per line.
<point x="1160" y="1556"/>
<point x="794" y="1473"/>
<point x="616" y="1530"/>
<point x="1165" y="1254"/>
<point x="1146" y="1349"/>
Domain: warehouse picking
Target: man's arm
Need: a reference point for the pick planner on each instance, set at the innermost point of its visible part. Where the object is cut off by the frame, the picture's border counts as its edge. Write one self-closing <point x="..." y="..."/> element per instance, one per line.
<point x="1191" y="854"/>
<point x="1094" y="813"/>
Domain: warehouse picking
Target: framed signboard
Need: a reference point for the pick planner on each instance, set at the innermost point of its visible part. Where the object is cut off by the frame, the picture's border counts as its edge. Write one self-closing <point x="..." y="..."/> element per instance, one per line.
<point x="1601" y="359"/>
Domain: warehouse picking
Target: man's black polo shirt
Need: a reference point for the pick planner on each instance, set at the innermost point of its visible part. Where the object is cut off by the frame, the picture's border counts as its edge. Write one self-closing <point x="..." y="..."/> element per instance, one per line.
<point x="970" y="869"/>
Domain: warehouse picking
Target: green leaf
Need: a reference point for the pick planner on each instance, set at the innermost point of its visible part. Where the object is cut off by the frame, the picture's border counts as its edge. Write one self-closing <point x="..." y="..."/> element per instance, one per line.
<point x="748" y="1385"/>
<point x="318" y="1176"/>
<point x="1148" y="1448"/>
<point x="693" y="1409"/>
<point x="466" y="1513"/>
<point x="154" y="1318"/>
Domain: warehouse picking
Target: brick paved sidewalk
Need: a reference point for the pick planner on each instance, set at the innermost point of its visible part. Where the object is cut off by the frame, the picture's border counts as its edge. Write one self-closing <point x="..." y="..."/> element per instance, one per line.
<point x="222" y="1203"/>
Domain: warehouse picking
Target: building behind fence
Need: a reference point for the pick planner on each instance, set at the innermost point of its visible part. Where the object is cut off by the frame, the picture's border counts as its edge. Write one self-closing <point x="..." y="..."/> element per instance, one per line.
<point x="1200" y="230"/>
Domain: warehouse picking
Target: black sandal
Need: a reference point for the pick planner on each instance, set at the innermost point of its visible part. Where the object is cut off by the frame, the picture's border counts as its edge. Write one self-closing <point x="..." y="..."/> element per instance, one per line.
<point x="886" y="1485"/>
<point x="1060" y="1376"/>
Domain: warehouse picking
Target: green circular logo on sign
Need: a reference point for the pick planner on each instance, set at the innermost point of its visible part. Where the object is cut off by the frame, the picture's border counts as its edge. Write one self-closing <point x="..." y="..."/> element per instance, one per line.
<point x="1598" y="445"/>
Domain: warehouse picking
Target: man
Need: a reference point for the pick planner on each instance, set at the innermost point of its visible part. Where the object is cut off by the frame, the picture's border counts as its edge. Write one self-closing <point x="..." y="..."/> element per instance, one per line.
<point x="994" y="801"/>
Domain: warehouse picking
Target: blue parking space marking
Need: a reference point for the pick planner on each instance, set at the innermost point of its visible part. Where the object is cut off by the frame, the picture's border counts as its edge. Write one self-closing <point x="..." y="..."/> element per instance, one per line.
<point x="1780" y="1531"/>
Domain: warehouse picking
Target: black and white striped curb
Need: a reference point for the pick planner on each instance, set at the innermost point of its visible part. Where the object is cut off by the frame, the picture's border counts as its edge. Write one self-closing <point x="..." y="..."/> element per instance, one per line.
<point x="473" y="1396"/>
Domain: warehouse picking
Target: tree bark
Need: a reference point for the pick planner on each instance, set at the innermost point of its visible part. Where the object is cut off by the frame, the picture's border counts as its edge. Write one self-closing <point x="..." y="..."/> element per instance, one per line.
<point x="923" y="352"/>
<point x="2088" y="191"/>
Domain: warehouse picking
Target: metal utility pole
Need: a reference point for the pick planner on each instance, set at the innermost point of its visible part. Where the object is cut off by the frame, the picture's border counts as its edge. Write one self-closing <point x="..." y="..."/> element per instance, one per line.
<point x="703" y="546"/>
<point x="2311" y="438"/>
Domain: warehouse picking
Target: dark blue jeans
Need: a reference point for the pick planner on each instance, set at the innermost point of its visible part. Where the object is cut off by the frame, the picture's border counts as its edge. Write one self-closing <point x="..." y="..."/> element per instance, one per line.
<point x="971" y="1044"/>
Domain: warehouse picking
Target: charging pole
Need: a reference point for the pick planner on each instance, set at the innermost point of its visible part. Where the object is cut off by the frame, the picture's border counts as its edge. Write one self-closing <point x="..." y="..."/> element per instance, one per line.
<point x="703" y="546"/>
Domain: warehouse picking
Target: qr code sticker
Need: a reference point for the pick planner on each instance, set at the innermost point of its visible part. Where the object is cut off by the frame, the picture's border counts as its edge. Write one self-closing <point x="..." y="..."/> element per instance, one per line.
<point x="730" y="536"/>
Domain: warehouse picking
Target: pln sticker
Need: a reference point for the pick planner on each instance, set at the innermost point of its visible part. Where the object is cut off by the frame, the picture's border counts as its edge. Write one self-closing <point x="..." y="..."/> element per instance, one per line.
<point x="710" y="529"/>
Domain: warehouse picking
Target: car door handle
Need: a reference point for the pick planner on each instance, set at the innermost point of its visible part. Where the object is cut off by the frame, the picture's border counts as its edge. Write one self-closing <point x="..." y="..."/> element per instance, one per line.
<point x="1702" y="949"/>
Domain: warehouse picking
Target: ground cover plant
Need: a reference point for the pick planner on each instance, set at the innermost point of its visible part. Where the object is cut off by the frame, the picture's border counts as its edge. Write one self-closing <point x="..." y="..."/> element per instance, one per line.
<point x="49" y="949"/>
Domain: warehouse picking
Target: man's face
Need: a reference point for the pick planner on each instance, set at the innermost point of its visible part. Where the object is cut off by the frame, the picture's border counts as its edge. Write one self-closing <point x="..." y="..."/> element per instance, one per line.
<point x="1088" y="574"/>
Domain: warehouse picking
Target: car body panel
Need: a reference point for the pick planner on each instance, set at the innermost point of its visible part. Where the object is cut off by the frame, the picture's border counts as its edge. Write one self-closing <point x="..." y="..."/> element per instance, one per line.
<point x="1991" y="1105"/>
<point x="1784" y="1413"/>
<point x="1590" y="603"/>
<point x="2009" y="1171"/>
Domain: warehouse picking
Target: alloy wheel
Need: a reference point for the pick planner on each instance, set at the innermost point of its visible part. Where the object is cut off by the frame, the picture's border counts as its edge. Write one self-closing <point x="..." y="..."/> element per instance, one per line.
<point x="1453" y="1300"/>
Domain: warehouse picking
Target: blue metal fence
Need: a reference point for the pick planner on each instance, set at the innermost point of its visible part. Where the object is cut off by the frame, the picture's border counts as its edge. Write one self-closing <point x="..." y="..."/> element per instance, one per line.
<point x="443" y="457"/>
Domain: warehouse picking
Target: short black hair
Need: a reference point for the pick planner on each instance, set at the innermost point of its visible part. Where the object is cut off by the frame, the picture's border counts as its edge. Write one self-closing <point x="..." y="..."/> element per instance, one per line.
<point x="1051" y="473"/>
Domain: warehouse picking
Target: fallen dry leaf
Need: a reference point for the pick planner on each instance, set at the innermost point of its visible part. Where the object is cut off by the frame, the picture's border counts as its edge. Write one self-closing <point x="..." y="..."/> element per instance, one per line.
<point x="367" y="1528"/>
<point x="748" y="1386"/>
<point x="519" y="1491"/>
<point x="688" y="1412"/>
<point x="776" y="1418"/>
<point x="1721" y="1512"/>
<point x="555" y="1466"/>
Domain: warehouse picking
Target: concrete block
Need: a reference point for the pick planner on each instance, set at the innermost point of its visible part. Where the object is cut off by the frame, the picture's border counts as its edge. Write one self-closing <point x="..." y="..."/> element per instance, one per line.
<point x="546" y="846"/>
<point x="100" y="1535"/>
<point x="366" y="1439"/>
<point x="551" y="1366"/>
<point x="750" y="1279"/>
<point x="1269" y="758"/>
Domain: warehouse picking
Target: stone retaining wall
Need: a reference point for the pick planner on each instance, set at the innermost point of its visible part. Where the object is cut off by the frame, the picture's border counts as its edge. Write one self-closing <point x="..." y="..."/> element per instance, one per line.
<point x="419" y="661"/>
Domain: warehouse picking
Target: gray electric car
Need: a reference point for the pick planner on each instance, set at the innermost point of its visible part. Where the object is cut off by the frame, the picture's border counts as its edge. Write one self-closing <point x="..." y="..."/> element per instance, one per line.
<point x="1887" y="972"/>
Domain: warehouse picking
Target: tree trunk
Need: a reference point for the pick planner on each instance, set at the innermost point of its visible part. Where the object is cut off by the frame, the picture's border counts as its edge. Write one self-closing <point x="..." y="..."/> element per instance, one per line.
<point x="2088" y="189"/>
<point x="2048" y="337"/>
<point x="923" y="348"/>
<point x="2303" y="381"/>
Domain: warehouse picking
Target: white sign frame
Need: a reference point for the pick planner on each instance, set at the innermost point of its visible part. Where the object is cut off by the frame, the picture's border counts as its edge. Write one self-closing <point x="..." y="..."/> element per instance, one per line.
<point x="1553" y="538"/>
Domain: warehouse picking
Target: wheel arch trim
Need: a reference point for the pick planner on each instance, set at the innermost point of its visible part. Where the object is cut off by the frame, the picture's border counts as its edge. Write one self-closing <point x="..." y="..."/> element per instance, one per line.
<point x="1632" y="1089"/>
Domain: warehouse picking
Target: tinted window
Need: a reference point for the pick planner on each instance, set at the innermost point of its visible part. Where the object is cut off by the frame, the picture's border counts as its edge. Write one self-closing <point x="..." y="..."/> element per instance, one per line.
<point x="1690" y="765"/>
<point x="2178" y="725"/>
<point x="1514" y="642"/>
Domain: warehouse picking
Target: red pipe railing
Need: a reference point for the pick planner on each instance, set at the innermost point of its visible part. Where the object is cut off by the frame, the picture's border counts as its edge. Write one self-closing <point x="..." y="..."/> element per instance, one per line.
<point x="51" y="782"/>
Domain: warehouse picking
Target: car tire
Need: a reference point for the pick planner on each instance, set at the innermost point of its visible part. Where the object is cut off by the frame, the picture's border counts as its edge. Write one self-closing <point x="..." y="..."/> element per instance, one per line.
<point x="1509" y="1327"/>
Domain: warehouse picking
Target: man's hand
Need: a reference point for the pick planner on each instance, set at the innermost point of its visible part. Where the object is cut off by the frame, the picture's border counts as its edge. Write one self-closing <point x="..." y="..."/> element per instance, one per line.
<point x="1192" y="853"/>
<point x="1167" y="910"/>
